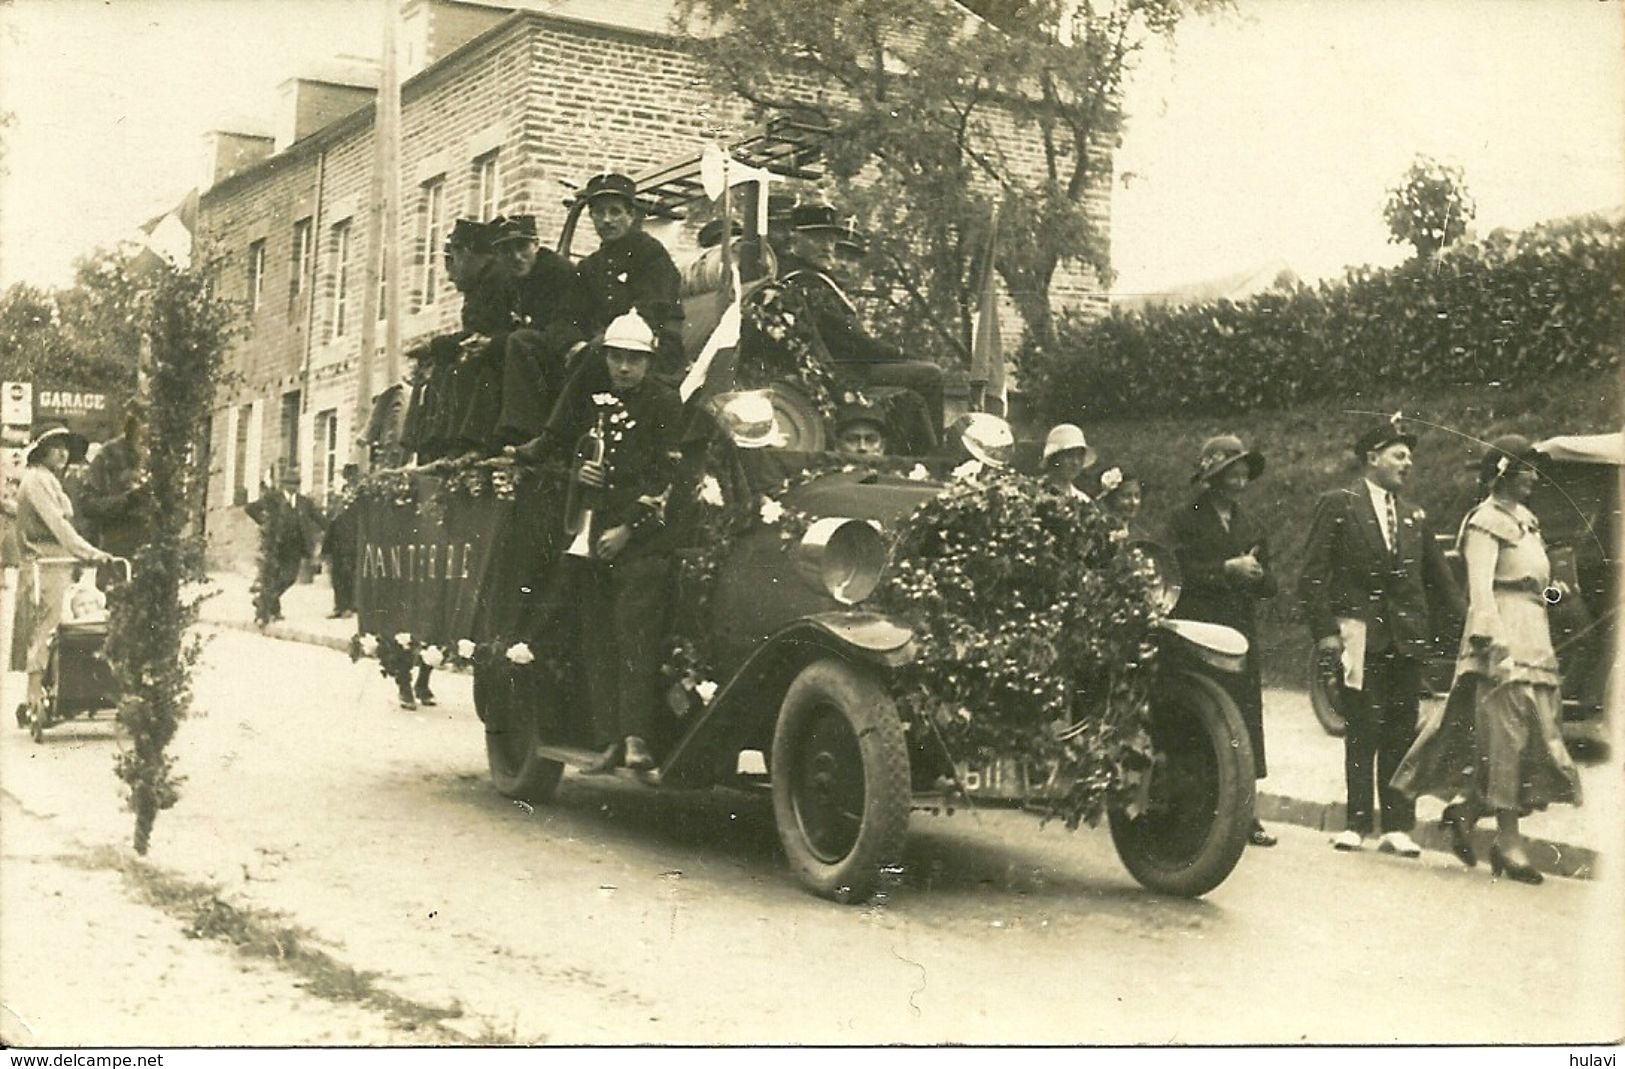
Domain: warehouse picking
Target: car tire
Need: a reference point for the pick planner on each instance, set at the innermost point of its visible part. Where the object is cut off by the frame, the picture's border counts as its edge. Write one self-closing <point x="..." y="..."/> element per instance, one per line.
<point x="1199" y="807"/>
<point x="840" y="771"/>
<point x="511" y="735"/>
<point x="1322" y="701"/>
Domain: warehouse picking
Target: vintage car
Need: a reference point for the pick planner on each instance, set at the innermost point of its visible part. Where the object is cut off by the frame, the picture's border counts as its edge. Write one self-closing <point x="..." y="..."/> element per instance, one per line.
<point x="1577" y="502"/>
<point x="803" y="667"/>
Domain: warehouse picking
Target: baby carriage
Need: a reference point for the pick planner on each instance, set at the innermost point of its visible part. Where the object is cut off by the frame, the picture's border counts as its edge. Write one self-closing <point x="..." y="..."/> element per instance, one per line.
<point x="78" y="680"/>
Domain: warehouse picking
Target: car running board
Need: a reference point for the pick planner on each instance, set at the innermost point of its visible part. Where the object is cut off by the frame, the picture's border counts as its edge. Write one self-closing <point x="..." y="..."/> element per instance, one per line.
<point x="576" y="759"/>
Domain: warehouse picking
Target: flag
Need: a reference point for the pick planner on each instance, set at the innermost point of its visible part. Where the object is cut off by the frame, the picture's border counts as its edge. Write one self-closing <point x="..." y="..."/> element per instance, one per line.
<point x="987" y="347"/>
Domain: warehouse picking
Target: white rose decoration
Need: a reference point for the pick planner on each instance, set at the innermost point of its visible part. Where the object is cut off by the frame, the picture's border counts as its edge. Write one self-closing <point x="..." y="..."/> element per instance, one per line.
<point x="1111" y="479"/>
<point x="465" y="648"/>
<point x="706" y="689"/>
<point x="403" y="640"/>
<point x="711" y="491"/>
<point x="968" y="470"/>
<point x="431" y="656"/>
<point x="369" y="645"/>
<point x="771" y="511"/>
<point x="918" y="473"/>
<point x="519" y="653"/>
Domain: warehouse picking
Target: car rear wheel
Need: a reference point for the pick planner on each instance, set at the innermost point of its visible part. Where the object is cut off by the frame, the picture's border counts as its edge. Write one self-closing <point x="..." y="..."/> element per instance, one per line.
<point x="1322" y="700"/>
<point x="504" y="704"/>
<point x="1199" y="806"/>
<point x="841" y="795"/>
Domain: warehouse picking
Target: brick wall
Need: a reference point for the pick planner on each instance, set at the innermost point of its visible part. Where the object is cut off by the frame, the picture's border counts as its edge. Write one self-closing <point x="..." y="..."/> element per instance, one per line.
<point x="555" y="101"/>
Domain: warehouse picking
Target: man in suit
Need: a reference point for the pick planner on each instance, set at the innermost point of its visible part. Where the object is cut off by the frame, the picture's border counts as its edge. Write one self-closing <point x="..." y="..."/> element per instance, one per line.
<point x="631" y="272"/>
<point x="113" y="496"/>
<point x="1373" y="582"/>
<point x="290" y="526"/>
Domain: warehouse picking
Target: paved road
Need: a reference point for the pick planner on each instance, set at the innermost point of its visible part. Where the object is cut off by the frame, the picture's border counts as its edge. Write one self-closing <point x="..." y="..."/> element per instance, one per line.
<point x="620" y="915"/>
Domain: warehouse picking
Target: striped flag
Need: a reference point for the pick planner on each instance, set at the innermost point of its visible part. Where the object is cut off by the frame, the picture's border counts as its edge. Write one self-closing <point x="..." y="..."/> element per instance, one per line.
<point x="987" y="347"/>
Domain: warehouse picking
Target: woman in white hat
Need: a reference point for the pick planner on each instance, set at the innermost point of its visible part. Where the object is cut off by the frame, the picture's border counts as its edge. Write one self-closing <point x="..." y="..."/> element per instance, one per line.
<point x="1067" y="455"/>
<point x="45" y="530"/>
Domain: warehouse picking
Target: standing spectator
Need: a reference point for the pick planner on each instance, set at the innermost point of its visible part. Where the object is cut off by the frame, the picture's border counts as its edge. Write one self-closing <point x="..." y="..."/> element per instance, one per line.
<point x="339" y="545"/>
<point x="1225" y="559"/>
<point x="113" y="494"/>
<point x="1371" y="574"/>
<point x="1067" y="455"/>
<point x="1498" y="740"/>
<point x="1121" y="494"/>
<point x="290" y="524"/>
<point x="45" y="530"/>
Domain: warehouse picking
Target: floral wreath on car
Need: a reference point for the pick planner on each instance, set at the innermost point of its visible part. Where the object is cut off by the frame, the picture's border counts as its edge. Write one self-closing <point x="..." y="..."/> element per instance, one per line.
<point x="495" y="477"/>
<point x="796" y="353"/>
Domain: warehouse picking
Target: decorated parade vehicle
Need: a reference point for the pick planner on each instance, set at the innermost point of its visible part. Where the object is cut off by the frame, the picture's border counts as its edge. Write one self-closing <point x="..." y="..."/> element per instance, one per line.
<point x="860" y="637"/>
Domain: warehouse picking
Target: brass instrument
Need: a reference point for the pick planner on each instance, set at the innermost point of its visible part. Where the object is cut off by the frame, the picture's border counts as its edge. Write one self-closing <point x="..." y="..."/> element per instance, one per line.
<point x="577" y="512"/>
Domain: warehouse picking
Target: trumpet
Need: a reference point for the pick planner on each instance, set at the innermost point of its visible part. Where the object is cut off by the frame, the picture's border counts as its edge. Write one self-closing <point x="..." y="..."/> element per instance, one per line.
<point x="577" y="512"/>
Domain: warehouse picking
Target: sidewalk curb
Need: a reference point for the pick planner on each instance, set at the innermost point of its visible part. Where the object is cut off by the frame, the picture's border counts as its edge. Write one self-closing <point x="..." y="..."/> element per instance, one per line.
<point x="1552" y="858"/>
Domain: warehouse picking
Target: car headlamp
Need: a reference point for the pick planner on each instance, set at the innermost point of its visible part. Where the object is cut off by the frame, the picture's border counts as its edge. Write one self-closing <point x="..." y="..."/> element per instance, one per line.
<point x="1165" y="584"/>
<point x="842" y="557"/>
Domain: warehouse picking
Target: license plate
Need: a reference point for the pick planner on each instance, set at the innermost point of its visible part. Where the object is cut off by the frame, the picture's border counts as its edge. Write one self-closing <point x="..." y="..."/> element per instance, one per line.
<point x="1004" y="779"/>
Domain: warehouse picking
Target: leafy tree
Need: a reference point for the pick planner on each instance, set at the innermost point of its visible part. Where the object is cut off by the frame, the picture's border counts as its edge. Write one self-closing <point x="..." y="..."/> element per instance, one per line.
<point x="84" y="336"/>
<point x="1430" y="208"/>
<point x="943" y="110"/>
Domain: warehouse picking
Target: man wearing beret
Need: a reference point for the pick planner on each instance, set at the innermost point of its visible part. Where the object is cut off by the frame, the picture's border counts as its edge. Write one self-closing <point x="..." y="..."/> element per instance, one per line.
<point x="1373" y="582"/>
<point x="809" y="268"/>
<point x="861" y="430"/>
<point x="631" y="271"/>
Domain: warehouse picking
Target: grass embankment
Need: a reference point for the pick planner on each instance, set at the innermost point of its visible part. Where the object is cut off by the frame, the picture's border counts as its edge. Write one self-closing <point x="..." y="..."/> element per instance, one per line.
<point x="1308" y="452"/>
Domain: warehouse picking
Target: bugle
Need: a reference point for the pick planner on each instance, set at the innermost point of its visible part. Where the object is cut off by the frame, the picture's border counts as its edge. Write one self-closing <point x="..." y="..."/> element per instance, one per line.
<point x="577" y="512"/>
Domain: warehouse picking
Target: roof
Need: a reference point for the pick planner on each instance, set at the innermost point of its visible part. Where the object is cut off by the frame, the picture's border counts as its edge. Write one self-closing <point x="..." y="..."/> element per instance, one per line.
<point x="1586" y="448"/>
<point x="1235" y="286"/>
<point x="648" y="16"/>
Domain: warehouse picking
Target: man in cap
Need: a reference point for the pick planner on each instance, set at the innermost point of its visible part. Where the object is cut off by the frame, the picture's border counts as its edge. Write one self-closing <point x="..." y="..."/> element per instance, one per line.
<point x="1067" y="455"/>
<point x="548" y="309"/>
<point x="631" y="271"/>
<point x="809" y="270"/>
<point x="861" y="430"/>
<point x="290" y="525"/>
<point x="622" y="426"/>
<point x="1373" y="581"/>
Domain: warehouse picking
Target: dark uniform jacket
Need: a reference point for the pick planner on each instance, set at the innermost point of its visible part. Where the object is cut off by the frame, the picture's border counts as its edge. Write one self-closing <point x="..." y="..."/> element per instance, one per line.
<point x="643" y="464"/>
<point x="111" y="503"/>
<point x="634" y="272"/>
<point x="1403" y="597"/>
<point x="552" y="300"/>
<point x="839" y="326"/>
<point x="1203" y="544"/>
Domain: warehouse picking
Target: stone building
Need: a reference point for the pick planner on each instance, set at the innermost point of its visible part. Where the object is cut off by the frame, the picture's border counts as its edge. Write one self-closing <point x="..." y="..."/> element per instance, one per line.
<point x="502" y="106"/>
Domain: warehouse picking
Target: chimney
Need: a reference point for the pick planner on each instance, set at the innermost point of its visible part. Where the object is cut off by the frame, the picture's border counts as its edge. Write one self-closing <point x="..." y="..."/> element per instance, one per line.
<point x="433" y="29"/>
<point x="225" y="152"/>
<point x="308" y="104"/>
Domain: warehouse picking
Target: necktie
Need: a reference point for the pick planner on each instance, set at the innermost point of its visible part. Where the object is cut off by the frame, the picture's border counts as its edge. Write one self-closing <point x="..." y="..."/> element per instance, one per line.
<point x="1390" y="523"/>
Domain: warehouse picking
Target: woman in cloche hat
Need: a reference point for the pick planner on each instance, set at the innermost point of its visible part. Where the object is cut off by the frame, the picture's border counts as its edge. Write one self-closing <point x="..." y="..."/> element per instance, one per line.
<point x="1224" y="557"/>
<point x="1497" y="743"/>
<point x="45" y="530"/>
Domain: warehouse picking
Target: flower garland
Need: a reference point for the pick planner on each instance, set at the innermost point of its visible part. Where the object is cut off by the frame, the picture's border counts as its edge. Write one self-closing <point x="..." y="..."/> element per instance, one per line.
<point x="1032" y="628"/>
<point x="782" y="343"/>
<point x="496" y="477"/>
<point x="399" y="653"/>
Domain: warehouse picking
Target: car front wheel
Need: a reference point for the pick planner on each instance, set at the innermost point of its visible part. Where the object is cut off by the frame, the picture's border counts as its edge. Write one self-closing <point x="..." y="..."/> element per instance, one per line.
<point x="1199" y="806"/>
<point x="841" y="792"/>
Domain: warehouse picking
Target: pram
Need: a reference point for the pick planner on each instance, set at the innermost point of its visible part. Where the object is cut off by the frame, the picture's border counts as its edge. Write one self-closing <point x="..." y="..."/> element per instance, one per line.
<point x="78" y="680"/>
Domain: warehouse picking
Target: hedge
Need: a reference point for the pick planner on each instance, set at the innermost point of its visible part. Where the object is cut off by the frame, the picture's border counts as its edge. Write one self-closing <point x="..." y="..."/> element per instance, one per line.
<point x="1510" y="309"/>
